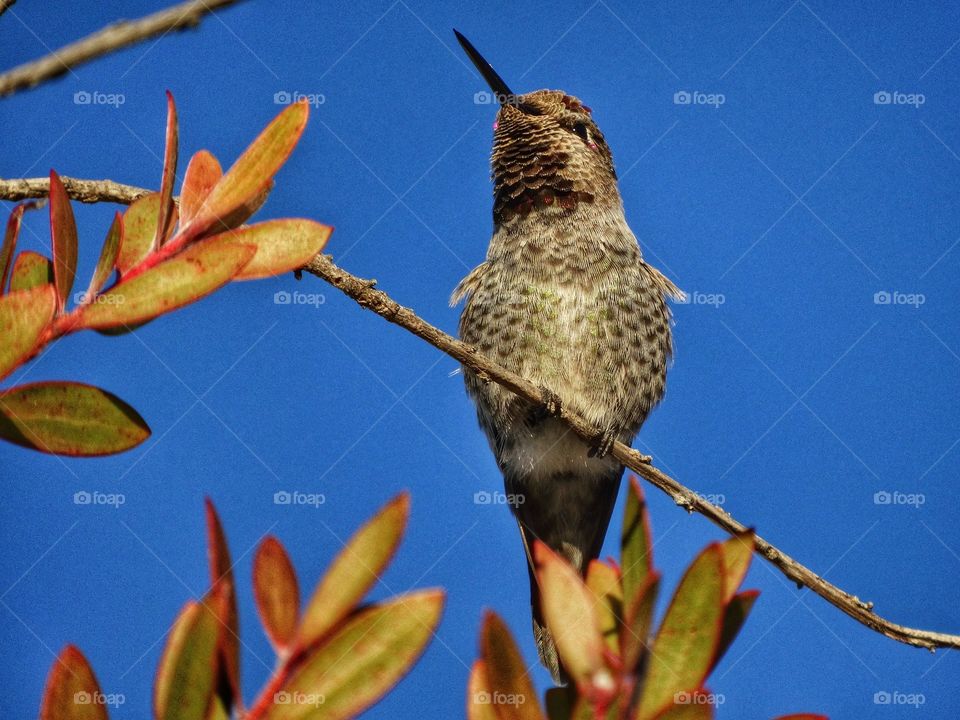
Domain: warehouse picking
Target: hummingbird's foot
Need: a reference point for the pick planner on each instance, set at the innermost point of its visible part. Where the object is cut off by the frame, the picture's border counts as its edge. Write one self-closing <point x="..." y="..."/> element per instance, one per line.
<point x="603" y="443"/>
<point x="551" y="401"/>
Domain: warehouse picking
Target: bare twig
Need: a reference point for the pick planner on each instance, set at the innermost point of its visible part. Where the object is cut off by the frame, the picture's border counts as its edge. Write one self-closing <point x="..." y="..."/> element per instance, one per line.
<point x="364" y="294"/>
<point x="87" y="191"/>
<point x="111" y="38"/>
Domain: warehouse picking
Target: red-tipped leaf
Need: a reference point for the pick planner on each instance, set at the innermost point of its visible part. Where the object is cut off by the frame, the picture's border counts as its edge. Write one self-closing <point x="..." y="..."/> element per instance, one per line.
<point x="63" y="236"/>
<point x="277" y="593"/>
<point x="166" y="211"/>
<point x="72" y="691"/>
<point x="203" y="173"/>
<point x="23" y="318"/>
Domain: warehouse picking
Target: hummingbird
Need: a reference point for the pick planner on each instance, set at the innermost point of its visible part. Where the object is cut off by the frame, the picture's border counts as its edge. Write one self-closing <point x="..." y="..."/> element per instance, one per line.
<point x="566" y="300"/>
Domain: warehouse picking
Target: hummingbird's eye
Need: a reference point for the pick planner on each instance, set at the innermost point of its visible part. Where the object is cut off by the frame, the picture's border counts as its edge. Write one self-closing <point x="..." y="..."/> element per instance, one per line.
<point x="582" y="131"/>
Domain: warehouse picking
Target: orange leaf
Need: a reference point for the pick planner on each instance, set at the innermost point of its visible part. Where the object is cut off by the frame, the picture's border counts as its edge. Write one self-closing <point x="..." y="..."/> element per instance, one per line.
<point x="166" y="215"/>
<point x="63" y="236"/>
<point x="203" y="173"/>
<point x="72" y="691"/>
<point x="277" y="593"/>
<point x="506" y="672"/>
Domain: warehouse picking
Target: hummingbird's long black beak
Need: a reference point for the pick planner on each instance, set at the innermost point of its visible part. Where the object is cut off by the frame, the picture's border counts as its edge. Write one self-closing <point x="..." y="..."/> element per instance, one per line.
<point x="496" y="83"/>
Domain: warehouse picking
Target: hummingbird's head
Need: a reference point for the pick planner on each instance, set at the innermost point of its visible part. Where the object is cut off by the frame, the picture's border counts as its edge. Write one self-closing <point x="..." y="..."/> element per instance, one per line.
<point x="547" y="150"/>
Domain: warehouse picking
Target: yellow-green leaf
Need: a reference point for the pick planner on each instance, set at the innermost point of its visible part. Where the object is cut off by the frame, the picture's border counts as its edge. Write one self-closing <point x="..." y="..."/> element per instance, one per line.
<point x="506" y="672"/>
<point x="184" y="682"/>
<point x="735" y="554"/>
<point x="253" y="171"/>
<point x="31" y="270"/>
<point x="637" y="622"/>
<point x="636" y="546"/>
<point x="24" y="316"/>
<point x="355" y="569"/>
<point x="734" y="617"/>
<point x="361" y="661"/>
<point x="63" y="236"/>
<point x="277" y="593"/>
<point x="67" y="418"/>
<point x="604" y="582"/>
<point x="689" y="635"/>
<point x="139" y="230"/>
<point x="108" y="259"/>
<point x="173" y="283"/>
<point x="72" y="691"/>
<point x="282" y="245"/>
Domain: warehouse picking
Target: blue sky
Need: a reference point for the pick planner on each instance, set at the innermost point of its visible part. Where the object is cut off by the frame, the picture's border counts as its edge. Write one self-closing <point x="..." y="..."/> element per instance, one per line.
<point x="814" y="222"/>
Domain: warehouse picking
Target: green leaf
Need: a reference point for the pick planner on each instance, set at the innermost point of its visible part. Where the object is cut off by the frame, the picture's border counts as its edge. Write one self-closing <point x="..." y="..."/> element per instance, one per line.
<point x="184" y="684"/>
<point x="506" y="672"/>
<point x="203" y="173"/>
<point x="361" y="661"/>
<point x="140" y="223"/>
<point x="735" y="554"/>
<point x="65" y="418"/>
<point x="63" y="236"/>
<point x="479" y="695"/>
<point x="277" y="593"/>
<point x="108" y="259"/>
<point x="166" y="215"/>
<point x="635" y="543"/>
<point x="24" y="316"/>
<point x="570" y="611"/>
<point x="637" y="622"/>
<point x="689" y="635"/>
<point x="734" y="617"/>
<point x="282" y="245"/>
<point x="604" y="582"/>
<point x="355" y="569"/>
<point x="72" y="691"/>
<point x="31" y="270"/>
<point x="222" y="585"/>
<point x="10" y="242"/>
<point x="178" y="281"/>
<point x="251" y="175"/>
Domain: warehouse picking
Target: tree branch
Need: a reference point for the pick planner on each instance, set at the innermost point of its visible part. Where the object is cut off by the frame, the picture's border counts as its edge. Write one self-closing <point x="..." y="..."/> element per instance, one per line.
<point x="87" y="191"/>
<point x="363" y="292"/>
<point x="5" y="5"/>
<point x="365" y="295"/>
<point x="111" y="38"/>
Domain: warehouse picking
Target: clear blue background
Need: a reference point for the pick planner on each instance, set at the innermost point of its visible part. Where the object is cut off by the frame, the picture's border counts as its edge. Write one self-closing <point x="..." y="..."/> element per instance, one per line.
<point x="797" y="399"/>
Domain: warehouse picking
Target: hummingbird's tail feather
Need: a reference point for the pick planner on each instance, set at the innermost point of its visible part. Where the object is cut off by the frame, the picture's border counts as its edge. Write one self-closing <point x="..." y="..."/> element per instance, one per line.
<point x="569" y="514"/>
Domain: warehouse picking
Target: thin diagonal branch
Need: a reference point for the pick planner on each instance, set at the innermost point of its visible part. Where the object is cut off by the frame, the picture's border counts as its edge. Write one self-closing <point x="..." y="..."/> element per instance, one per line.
<point x="367" y="296"/>
<point x="87" y="191"/>
<point x="364" y="294"/>
<point x="111" y="38"/>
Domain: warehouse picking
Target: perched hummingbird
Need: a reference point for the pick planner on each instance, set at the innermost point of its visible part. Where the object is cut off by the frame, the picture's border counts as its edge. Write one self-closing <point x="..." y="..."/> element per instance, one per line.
<point x="565" y="300"/>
